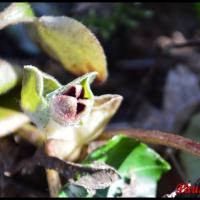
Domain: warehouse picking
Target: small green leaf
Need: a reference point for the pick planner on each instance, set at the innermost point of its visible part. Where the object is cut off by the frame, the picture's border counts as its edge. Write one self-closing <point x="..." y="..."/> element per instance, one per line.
<point x="32" y="89"/>
<point x="10" y="75"/>
<point x="16" y="13"/>
<point x="136" y="156"/>
<point x="85" y="81"/>
<point x="71" y="43"/>
<point x="32" y="101"/>
<point x="35" y="86"/>
<point x="135" y="162"/>
<point x="11" y="120"/>
<point x="50" y="84"/>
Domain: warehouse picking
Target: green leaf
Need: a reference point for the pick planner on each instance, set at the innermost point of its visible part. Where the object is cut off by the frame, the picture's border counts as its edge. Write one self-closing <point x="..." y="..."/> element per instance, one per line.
<point x="16" y="13"/>
<point x="11" y="120"/>
<point x="131" y="157"/>
<point x="133" y="160"/>
<point x="35" y="86"/>
<point x="71" y="43"/>
<point x="10" y="75"/>
<point x="32" y="101"/>
<point x="85" y="81"/>
<point x="50" y="84"/>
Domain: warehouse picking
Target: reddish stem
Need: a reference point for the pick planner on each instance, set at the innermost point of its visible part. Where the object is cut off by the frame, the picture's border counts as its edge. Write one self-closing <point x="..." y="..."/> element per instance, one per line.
<point x="158" y="137"/>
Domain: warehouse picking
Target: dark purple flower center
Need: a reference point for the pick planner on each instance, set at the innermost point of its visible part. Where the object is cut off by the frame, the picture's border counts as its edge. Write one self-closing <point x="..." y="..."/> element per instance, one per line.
<point x="77" y="92"/>
<point x="68" y="106"/>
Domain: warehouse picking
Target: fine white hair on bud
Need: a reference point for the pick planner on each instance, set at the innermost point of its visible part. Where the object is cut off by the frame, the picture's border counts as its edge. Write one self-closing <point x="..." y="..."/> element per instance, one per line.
<point x="68" y="107"/>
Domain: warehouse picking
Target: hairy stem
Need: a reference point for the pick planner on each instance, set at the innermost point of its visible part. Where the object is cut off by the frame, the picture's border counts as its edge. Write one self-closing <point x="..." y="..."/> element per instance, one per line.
<point x="158" y="137"/>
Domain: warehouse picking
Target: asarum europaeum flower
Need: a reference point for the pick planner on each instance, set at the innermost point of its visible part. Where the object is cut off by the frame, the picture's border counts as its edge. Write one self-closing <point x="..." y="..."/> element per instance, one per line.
<point x="70" y="106"/>
<point x="44" y="99"/>
<point x="67" y="142"/>
<point x="70" y="115"/>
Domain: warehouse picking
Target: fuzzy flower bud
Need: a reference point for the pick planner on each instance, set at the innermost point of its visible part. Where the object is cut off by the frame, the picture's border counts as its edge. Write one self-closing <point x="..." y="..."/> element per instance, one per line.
<point x="69" y="107"/>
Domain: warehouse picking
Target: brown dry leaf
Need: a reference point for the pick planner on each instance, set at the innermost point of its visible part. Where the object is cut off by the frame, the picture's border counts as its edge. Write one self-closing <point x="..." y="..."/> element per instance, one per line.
<point x="102" y="177"/>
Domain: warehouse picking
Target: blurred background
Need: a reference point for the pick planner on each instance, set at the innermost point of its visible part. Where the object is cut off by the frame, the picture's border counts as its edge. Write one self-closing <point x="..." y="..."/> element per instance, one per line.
<point x="153" y="60"/>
